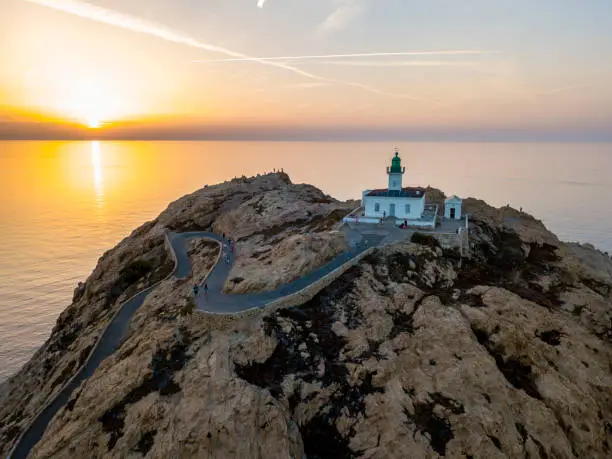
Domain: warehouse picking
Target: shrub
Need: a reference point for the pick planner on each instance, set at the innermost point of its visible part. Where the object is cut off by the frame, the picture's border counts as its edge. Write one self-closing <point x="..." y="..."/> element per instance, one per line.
<point x="425" y="239"/>
<point x="188" y="307"/>
<point x="135" y="270"/>
<point x="128" y="276"/>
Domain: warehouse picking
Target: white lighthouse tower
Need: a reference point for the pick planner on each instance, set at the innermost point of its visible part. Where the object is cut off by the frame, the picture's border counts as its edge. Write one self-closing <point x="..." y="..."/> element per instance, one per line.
<point x="395" y="173"/>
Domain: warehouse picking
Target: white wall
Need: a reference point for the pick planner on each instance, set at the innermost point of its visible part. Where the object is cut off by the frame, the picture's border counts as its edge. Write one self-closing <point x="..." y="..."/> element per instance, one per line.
<point x="417" y="206"/>
<point x="395" y="182"/>
<point x="450" y="205"/>
<point x="360" y="219"/>
<point x="425" y="224"/>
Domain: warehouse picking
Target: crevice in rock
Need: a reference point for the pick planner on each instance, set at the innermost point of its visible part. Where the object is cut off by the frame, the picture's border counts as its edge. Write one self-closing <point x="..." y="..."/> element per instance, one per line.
<point x="472" y="300"/>
<point x="372" y="351"/>
<point x="517" y="373"/>
<point x="541" y="450"/>
<point x="146" y="442"/>
<point x="520" y="428"/>
<point x="552" y="337"/>
<point x="399" y="264"/>
<point x="65" y="374"/>
<point x="84" y="354"/>
<point x="404" y="322"/>
<point x="434" y="427"/>
<point x="323" y="441"/>
<point x="598" y="287"/>
<point x="495" y="441"/>
<point x="11" y="433"/>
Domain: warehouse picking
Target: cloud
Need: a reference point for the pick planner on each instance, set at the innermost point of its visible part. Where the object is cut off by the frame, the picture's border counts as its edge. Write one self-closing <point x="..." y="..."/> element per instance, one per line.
<point x="346" y="11"/>
<point x="137" y="25"/>
<point x="451" y="52"/>
<point x="260" y="3"/>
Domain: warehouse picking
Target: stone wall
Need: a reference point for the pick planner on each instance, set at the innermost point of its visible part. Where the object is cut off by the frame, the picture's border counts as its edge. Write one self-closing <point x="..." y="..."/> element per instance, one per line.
<point x="307" y="293"/>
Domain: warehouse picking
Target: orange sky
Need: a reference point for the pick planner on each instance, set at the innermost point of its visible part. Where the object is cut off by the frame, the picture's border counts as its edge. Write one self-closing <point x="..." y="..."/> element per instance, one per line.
<point x="112" y="67"/>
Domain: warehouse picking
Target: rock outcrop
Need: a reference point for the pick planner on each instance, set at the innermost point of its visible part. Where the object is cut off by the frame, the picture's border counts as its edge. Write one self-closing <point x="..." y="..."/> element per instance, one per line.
<point x="413" y="352"/>
<point x="281" y="235"/>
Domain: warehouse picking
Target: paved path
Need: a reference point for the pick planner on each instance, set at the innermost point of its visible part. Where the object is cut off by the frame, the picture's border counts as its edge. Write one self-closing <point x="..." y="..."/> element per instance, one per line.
<point x="216" y="302"/>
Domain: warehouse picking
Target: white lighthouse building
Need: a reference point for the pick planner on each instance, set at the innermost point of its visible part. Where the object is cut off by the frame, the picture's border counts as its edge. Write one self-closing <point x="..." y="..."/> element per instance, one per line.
<point x="396" y="201"/>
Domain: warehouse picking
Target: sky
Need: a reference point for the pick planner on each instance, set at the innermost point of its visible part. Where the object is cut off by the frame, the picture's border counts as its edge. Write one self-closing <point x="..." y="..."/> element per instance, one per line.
<point x="306" y="69"/>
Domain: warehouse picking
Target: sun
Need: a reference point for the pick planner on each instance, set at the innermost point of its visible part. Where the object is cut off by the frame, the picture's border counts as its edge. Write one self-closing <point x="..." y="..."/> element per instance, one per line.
<point x="93" y="123"/>
<point x="94" y="103"/>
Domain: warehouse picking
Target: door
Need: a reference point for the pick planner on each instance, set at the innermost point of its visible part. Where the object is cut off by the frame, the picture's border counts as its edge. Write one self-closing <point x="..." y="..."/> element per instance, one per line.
<point x="452" y="213"/>
<point x="391" y="210"/>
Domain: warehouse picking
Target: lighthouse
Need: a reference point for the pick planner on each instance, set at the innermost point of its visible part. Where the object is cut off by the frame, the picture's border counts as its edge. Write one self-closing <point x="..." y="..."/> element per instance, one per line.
<point x="395" y="173"/>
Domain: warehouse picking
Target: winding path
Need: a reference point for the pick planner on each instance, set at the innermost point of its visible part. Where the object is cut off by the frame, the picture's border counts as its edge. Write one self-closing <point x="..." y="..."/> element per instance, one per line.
<point x="215" y="302"/>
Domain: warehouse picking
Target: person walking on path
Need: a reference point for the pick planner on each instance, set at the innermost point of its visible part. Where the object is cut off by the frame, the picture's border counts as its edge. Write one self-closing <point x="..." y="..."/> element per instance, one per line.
<point x="227" y="258"/>
<point x="205" y="289"/>
<point x="231" y="246"/>
<point x="195" y="290"/>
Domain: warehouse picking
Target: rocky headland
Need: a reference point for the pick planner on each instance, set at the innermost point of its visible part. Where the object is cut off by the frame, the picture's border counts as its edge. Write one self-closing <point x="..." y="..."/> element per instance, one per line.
<point x="412" y="352"/>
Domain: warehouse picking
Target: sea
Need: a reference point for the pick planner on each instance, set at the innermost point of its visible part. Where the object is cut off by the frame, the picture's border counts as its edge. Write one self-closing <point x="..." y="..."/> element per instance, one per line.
<point x="62" y="204"/>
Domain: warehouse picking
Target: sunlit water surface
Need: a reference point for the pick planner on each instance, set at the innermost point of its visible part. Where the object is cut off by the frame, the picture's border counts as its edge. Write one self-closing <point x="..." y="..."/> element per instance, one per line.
<point x="62" y="204"/>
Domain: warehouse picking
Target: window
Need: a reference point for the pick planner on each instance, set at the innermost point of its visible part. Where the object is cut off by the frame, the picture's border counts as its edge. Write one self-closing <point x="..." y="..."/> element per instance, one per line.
<point x="393" y="183"/>
<point x="377" y="207"/>
<point x="407" y="209"/>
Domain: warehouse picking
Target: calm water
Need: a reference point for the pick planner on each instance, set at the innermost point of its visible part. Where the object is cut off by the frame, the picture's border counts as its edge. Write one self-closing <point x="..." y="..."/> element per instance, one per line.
<point x="62" y="204"/>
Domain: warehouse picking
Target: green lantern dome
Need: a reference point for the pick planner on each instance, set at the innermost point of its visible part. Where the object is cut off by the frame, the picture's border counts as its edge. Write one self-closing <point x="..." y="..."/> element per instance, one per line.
<point x="396" y="164"/>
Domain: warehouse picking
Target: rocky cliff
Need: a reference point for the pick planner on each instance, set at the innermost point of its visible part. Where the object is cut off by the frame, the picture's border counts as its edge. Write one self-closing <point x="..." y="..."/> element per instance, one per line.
<point x="413" y="352"/>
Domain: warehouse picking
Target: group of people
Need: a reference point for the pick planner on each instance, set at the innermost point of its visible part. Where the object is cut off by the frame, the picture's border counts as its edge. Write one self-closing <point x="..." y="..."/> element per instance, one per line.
<point x="228" y="248"/>
<point x="404" y="225"/>
<point x="196" y="289"/>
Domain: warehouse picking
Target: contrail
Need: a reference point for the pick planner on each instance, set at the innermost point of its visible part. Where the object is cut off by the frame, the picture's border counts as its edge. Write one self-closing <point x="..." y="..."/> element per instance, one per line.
<point x="563" y="89"/>
<point x="407" y="63"/>
<point x="134" y="24"/>
<point x="455" y="52"/>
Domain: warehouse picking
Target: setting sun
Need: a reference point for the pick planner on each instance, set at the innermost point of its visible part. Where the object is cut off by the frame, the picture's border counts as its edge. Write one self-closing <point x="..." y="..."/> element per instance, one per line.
<point x="93" y="103"/>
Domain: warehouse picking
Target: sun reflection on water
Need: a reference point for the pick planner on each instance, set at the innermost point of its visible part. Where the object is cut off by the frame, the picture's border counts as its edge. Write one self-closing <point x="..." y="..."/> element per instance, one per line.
<point x="98" y="178"/>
